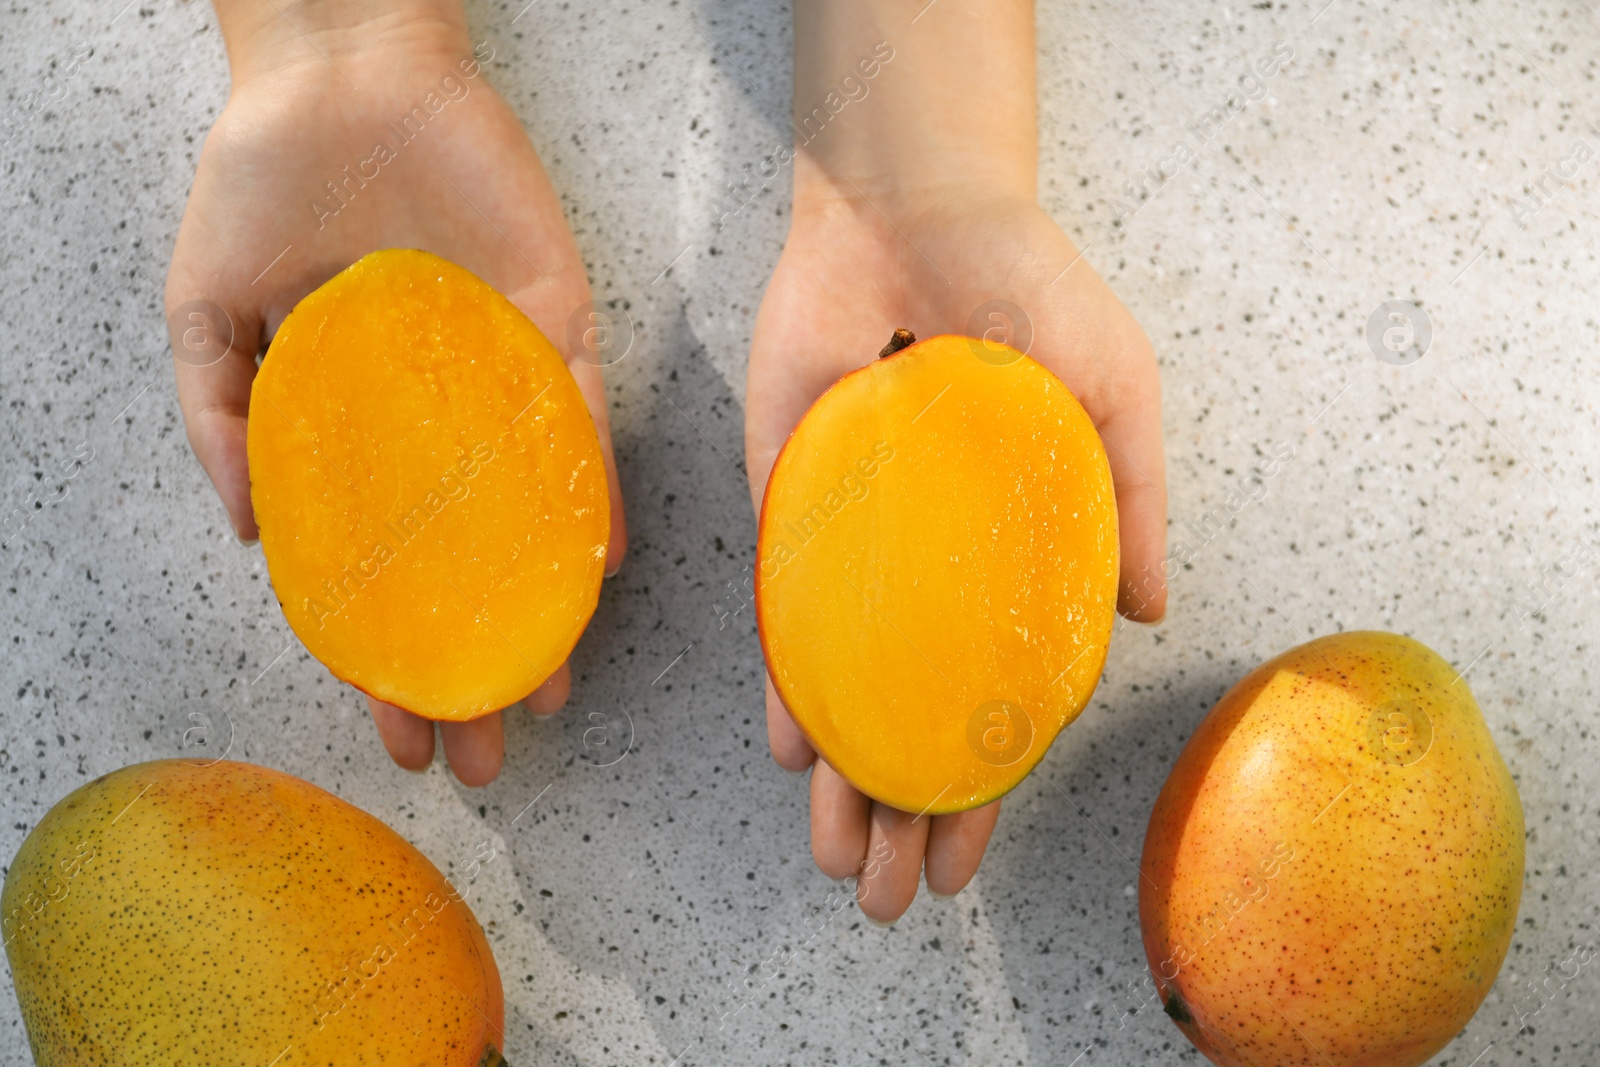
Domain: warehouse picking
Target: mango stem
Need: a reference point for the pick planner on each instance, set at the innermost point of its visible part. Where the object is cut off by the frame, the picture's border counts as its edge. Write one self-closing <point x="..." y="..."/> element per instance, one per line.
<point x="902" y="338"/>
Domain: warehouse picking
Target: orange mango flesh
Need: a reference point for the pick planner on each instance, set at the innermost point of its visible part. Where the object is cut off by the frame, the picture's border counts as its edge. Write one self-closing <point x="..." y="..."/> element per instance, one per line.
<point x="171" y="912"/>
<point x="1332" y="871"/>
<point x="429" y="487"/>
<point x="937" y="572"/>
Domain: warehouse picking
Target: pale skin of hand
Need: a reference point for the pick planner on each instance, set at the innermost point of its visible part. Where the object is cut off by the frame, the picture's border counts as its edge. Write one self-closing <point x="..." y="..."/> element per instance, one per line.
<point x="314" y="86"/>
<point x="916" y="206"/>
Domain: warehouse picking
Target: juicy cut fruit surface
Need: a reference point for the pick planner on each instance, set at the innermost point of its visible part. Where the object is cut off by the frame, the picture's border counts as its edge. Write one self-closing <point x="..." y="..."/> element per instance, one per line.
<point x="429" y="487"/>
<point x="937" y="572"/>
<point x="1332" y="871"/>
<point x="174" y="912"/>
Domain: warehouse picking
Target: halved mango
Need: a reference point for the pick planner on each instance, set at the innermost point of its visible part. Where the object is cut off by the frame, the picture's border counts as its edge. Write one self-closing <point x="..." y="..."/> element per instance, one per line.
<point x="938" y="571"/>
<point x="429" y="487"/>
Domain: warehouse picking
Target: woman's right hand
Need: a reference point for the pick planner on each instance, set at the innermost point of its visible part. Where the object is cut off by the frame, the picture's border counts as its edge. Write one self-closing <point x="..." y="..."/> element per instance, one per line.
<point x="353" y="127"/>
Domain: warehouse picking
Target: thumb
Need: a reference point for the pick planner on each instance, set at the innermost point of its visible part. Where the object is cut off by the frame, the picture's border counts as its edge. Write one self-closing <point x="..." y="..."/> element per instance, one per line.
<point x="588" y="339"/>
<point x="592" y="385"/>
<point x="213" y="353"/>
<point x="1133" y="447"/>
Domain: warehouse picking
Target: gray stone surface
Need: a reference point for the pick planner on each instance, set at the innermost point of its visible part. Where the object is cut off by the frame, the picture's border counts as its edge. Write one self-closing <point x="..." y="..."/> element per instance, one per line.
<point x="1383" y="163"/>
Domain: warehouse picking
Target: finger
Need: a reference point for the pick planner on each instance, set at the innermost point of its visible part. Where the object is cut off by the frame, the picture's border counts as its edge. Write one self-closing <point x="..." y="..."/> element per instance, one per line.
<point x="213" y="354"/>
<point x="955" y="847"/>
<point x="550" y="697"/>
<point x="408" y="737"/>
<point x="592" y="385"/>
<point x="790" y="748"/>
<point x="1138" y="471"/>
<point x="475" y="748"/>
<point x="780" y="389"/>
<point x="838" y="823"/>
<point x="896" y="841"/>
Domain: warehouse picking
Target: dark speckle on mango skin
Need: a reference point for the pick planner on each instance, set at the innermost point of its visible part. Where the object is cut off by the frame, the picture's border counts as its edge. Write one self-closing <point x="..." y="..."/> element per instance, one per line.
<point x="1333" y="868"/>
<point x="172" y="912"/>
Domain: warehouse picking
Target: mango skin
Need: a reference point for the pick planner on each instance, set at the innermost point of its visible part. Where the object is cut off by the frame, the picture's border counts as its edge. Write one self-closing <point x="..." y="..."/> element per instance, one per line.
<point x="1323" y="883"/>
<point x="172" y="912"/>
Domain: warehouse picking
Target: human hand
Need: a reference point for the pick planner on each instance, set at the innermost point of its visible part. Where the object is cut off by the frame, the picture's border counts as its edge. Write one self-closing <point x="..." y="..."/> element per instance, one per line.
<point x="901" y="221"/>
<point x="316" y="87"/>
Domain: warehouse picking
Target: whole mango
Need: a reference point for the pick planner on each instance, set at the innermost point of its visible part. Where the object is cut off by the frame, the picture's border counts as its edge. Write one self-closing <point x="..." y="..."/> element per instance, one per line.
<point x="1332" y="871"/>
<point x="174" y="912"/>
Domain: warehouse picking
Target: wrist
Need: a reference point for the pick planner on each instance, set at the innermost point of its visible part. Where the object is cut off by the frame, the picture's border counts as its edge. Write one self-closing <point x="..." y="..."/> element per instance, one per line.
<point x="908" y="115"/>
<point x="274" y="37"/>
<point x="826" y="205"/>
<point x="906" y="189"/>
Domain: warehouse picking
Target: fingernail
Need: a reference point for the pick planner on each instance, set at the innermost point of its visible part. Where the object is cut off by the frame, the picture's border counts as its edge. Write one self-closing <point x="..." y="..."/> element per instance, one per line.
<point x="247" y="542"/>
<point x="801" y="773"/>
<point x="540" y="715"/>
<point x="879" y="923"/>
<point x="614" y="571"/>
<point x="943" y="896"/>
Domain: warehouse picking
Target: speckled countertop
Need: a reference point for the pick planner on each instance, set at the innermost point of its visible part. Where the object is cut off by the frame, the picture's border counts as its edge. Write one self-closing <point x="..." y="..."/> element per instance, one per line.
<point x="1444" y="497"/>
